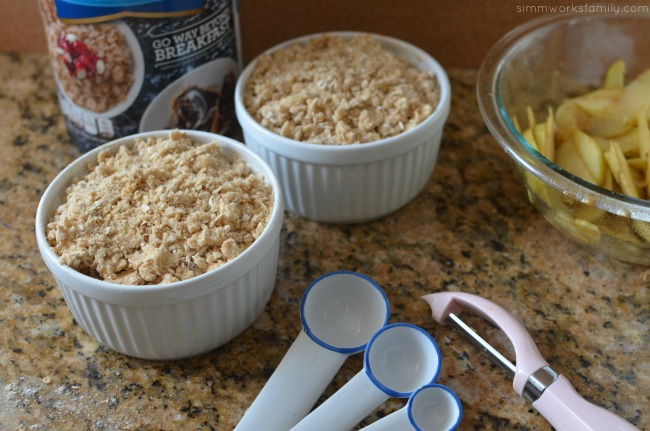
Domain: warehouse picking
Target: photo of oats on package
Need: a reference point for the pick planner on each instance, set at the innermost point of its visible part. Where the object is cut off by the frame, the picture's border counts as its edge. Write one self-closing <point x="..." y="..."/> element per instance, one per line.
<point x="127" y="66"/>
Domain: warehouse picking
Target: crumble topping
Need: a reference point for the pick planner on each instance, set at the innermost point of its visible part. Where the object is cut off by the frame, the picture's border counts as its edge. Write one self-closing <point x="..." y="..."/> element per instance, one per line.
<point x="334" y="91"/>
<point x="164" y="210"/>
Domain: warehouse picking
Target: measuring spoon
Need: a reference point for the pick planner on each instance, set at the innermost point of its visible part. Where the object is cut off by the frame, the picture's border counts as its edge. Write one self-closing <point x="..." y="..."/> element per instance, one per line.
<point x="399" y="359"/>
<point x="339" y="312"/>
<point x="433" y="407"/>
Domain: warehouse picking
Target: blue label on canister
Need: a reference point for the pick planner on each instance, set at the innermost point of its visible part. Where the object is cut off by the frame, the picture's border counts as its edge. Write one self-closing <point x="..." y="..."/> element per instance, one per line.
<point x="76" y="10"/>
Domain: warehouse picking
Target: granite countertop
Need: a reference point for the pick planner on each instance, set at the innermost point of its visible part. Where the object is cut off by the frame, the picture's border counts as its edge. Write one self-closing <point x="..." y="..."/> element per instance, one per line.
<point x="471" y="229"/>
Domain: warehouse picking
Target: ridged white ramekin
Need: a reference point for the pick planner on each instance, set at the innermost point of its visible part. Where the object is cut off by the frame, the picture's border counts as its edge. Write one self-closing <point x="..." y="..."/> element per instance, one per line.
<point x="175" y="320"/>
<point x="351" y="183"/>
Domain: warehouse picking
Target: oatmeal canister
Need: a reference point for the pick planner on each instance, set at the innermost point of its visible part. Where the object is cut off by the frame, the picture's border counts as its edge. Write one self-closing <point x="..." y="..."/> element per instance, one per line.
<point x="128" y="66"/>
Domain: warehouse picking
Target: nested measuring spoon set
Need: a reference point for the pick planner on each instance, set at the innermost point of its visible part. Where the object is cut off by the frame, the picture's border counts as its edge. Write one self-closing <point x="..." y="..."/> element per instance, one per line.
<point x="344" y="312"/>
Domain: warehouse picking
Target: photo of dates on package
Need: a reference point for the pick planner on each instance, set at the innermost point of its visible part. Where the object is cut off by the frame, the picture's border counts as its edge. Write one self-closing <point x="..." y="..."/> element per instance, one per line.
<point x="128" y="66"/>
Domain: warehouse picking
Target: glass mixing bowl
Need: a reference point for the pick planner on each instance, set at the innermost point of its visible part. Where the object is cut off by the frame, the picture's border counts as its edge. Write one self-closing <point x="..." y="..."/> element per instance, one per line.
<point x="540" y="64"/>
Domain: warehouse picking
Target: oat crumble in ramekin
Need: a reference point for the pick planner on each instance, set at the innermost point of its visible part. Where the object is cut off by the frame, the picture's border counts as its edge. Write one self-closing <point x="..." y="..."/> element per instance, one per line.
<point x="334" y="91"/>
<point x="164" y="210"/>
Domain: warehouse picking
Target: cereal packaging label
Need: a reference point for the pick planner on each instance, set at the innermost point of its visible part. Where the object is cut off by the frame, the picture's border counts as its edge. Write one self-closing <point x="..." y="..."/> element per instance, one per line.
<point x="124" y="66"/>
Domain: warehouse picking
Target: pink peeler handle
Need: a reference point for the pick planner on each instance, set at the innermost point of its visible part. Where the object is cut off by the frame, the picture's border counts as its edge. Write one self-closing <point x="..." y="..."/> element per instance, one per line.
<point x="556" y="400"/>
<point x="566" y="410"/>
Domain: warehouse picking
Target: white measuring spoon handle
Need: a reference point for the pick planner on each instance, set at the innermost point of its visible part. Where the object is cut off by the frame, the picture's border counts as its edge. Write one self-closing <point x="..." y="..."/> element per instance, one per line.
<point x="346" y="407"/>
<point x="566" y="410"/>
<point x="295" y="386"/>
<point x="398" y="420"/>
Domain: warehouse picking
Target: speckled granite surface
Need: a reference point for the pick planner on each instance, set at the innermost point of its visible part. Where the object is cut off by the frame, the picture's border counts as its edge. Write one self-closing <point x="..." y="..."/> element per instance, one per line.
<point x="471" y="229"/>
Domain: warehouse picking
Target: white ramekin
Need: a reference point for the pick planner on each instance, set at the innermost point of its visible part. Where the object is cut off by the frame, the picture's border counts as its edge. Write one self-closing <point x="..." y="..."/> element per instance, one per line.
<point x="351" y="183"/>
<point x="175" y="320"/>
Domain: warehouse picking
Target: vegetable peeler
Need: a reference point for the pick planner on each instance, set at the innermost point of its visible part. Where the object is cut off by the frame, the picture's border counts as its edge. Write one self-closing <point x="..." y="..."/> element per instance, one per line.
<point x="550" y="393"/>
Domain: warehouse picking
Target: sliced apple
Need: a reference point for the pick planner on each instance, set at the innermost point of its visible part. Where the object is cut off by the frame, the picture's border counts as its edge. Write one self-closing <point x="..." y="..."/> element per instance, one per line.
<point x="611" y="126"/>
<point x="642" y="229"/>
<point x="515" y="122"/>
<point x="539" y="132"/>
<point x="608" y="182"/>
<point x="621" y="170"/>
<point x="580" y="229"/>
<point x="531" y="117"/>
<point x="530" y="138"/>
<point x="541" y="135"/>
<point x="602" y="136"/>
<point x="635" y="96"/>
<point x="629" y="142"/>
<point x="644" y="147"/>
<point x="643" y="133"/>
<point x="568" y="157"/>
<point x="615" y="76"/>
<point x="549" y="143"/>
<point x="568" y="116"/>
<point x="637" y="163"/>
<point x="612" y="162"/>
<point x="591" y="155"/>
<point x="599" y="103"/>
<point x="586" y="231"/>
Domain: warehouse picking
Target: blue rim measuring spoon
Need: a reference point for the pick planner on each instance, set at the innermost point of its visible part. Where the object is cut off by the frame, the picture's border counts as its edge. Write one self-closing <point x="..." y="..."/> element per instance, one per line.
<point x="399" y="359"/>
<point x="339" y="311"/>
<point x="433" y="407"/>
